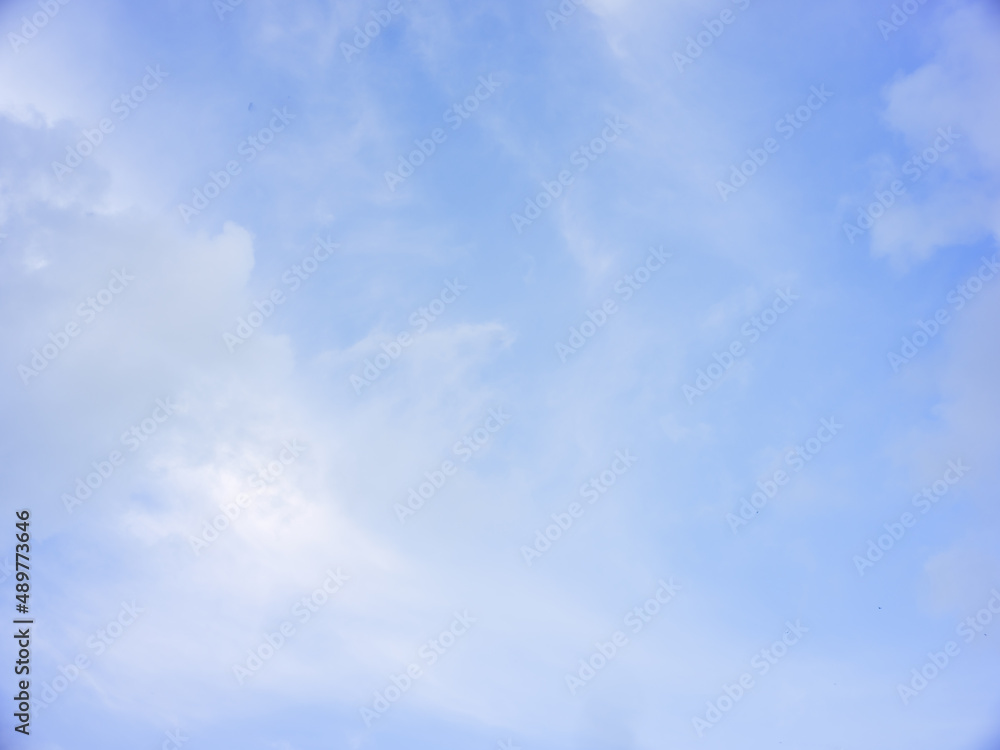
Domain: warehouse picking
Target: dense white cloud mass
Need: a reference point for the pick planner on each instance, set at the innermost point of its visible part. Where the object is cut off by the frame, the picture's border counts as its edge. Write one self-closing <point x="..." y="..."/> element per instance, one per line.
<point x="593" y="374"/>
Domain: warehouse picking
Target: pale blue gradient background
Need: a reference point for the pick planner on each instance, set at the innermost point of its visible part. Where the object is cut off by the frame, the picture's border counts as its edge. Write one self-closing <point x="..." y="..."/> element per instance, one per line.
<point x="494" y="347"/>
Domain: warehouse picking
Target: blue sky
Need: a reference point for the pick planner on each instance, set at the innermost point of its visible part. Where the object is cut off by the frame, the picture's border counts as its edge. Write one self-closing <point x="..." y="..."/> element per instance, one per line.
<point x="312" y="472"/>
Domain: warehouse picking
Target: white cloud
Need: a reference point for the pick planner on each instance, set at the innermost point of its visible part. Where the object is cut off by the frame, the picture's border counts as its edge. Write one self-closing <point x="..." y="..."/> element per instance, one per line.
<point x="959" y="88"/>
